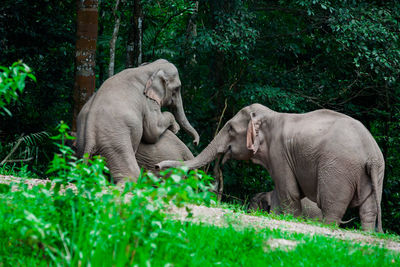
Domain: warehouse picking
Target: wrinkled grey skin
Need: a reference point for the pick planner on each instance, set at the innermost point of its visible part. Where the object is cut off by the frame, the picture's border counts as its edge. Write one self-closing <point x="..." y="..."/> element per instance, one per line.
<point x="127" y="110"/>
<point x="168" y="147"/>
<point x="264" y="201"/>
<point x="326" y="156"/>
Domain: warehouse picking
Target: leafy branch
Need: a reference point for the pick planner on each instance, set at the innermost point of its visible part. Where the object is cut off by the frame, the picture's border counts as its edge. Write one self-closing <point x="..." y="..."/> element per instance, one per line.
<point x="12" y="83"/>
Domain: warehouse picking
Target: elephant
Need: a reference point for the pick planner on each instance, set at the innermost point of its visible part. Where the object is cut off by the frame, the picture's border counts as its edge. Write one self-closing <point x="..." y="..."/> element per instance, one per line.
<point x="168" y="147"/>
<point x="326" y="156"/>
<point x="126" y="110"/>
<point x="263" y="201"/>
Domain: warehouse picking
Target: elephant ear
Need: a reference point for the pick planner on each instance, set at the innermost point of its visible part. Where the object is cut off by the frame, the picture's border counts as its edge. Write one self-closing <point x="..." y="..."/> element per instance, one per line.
<point x="155" y="86"/>
<point x="253" y="138"/>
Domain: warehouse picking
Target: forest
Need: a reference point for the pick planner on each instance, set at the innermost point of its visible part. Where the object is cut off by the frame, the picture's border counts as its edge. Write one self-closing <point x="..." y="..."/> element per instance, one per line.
<point x="293" y="56"/>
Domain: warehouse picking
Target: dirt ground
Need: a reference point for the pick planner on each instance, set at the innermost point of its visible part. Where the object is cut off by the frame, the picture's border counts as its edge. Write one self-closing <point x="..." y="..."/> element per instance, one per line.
<point x="222" y="217"/>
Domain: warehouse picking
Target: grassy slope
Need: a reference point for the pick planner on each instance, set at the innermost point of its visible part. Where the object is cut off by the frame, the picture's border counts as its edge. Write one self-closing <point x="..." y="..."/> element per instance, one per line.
<point x="105" y="234"/>
<point x="189" y="244"/>
<point x="204" y="245"/>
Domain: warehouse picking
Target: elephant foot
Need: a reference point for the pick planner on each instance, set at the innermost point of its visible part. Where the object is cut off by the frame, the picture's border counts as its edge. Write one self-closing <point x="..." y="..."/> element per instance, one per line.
<point x="368" y="214"/>
<point x="122" y="179"/>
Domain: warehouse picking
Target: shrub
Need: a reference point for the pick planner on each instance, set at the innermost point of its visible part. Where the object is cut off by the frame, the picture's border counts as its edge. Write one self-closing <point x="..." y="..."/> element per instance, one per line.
<point x="93" y="223"/>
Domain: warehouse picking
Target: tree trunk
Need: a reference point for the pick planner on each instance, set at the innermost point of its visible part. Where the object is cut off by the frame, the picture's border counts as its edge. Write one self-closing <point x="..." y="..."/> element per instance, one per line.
<point x="387" y="134"/>
<point x="134" y="47"/>
<point x="191" y="29"/>
<point x="217" y="61"/>
<point x="191" y="32"/>
<point x="101" y="51"/>
<point x="85" y="53"/>
<point x="113" y="40"/>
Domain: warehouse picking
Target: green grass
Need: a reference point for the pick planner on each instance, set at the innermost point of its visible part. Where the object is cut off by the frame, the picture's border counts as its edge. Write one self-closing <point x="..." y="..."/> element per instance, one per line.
<point x="45" y="226"/>
<point x="17" y="170"/>
<point x="41" y="228"/>
<point x="188" y="244"/>
<point x="205" y="245"/>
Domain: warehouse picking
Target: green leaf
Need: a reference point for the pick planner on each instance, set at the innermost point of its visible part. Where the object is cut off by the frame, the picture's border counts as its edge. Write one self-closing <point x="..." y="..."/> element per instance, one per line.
<point x="5" y="188"/>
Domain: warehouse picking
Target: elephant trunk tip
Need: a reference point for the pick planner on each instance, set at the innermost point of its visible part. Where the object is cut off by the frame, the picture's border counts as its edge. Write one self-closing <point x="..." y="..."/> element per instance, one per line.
<point x="196" y="140"/>
<point x="167" y="164"/>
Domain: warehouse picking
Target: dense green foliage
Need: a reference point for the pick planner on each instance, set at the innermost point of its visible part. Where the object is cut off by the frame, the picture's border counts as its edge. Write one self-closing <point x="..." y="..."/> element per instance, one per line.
<point x="120" y="237"/>
<point x="291" y="55"/>
<point x="94" y="223"/>
<point x="12" y="83"/>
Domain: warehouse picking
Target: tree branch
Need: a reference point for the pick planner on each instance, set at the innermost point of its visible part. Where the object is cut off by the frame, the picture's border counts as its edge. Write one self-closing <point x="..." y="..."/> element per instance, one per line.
<point x="164" y="25"/>
<point x="12" y="151"/>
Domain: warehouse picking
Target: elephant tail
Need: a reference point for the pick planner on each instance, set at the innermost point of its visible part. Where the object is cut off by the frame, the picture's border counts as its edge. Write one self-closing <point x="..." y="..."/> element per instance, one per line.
<point x="89" y="148"/>
<point x="85" y="141"/>
<point x="85" y="145"/>
<point x="376" y="171"/>
<point x="344" y="222"/>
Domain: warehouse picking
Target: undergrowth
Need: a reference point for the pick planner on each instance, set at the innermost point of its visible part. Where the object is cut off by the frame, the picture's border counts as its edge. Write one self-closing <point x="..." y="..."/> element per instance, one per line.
<point x="95" y="224"/>
<point x="98" y="224"/>
<point x="17" y="170"/>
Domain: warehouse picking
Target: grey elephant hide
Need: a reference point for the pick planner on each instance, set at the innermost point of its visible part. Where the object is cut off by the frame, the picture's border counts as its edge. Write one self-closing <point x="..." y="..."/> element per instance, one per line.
<point x="326" y="156"/>
<point x="126" y="111"/>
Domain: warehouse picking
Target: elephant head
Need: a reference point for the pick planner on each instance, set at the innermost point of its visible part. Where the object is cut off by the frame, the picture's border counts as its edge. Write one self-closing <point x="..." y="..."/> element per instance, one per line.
<point x="240" y="139"/>
<point x="164" y="87"/>
<point x="261" y="201"/>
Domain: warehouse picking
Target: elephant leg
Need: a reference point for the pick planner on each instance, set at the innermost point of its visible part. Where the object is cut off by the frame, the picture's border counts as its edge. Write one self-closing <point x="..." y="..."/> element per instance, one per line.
<point x="288" y="192"/>
<point x="334" y="193"/>
<point x="368" y="212"/>
<point x="156" y="123"/>
<point x="123" y="167"/>
<point x="121" y="160"/>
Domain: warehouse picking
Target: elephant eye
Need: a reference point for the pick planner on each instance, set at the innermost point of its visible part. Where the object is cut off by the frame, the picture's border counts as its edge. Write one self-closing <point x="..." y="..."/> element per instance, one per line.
<point x="175" y="90"/>
<point x="231" y="130"/>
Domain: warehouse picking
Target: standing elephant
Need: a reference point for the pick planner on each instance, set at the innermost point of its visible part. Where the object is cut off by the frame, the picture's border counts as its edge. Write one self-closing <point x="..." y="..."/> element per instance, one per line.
<point x="323" y="155"/>
<point x="168" y="147"/>
<point x="127" y="110"/>
<point x="264" y="201"/>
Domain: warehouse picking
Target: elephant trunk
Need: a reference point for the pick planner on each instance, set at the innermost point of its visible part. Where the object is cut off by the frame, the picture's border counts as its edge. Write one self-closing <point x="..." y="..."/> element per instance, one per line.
<point x="182" y="120"/>
<point x="217" y="146"/>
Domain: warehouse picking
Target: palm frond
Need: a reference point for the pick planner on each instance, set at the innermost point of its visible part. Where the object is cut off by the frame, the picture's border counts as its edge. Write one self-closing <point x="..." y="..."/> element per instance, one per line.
<point x="30" y="150"/>
<point x="34" y="139"/>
